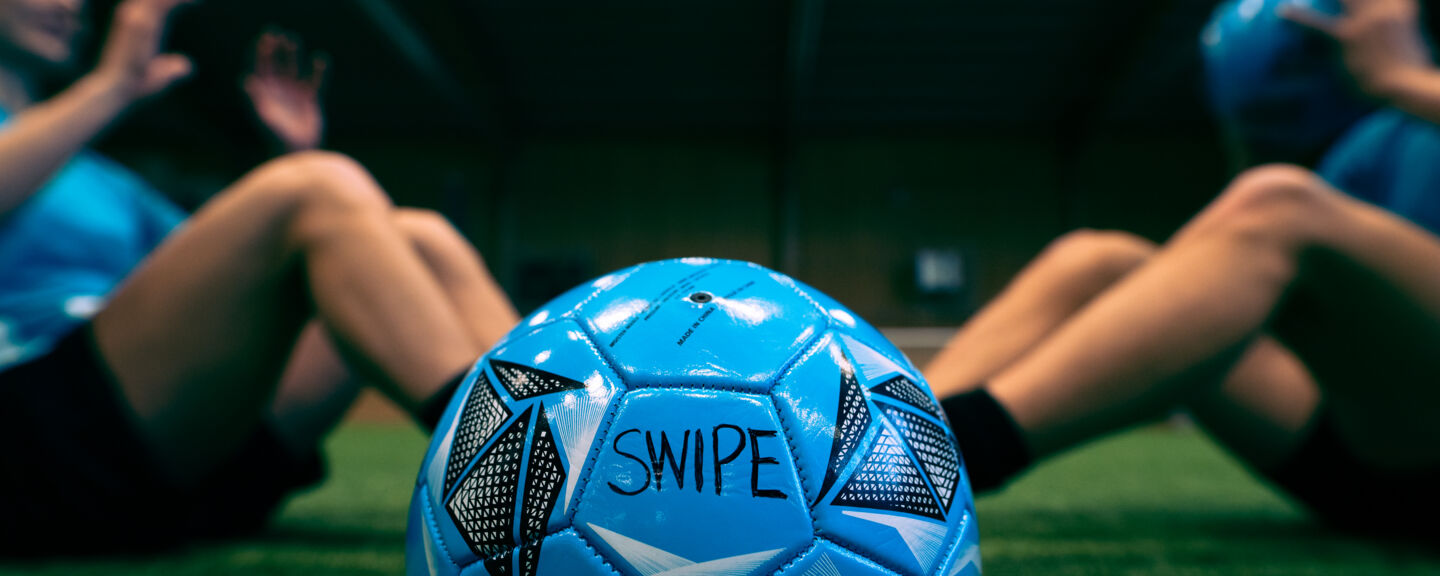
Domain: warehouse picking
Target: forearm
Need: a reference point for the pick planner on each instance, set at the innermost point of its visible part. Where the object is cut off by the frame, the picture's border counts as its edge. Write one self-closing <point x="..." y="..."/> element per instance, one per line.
<point x="39" y="140"/>
<point x="1415" y="91"/>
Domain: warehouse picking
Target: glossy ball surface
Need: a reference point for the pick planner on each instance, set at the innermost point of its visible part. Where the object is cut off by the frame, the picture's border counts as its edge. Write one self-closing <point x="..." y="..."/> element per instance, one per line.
<point x="693" y="416"/>
<point x="1281" y="88"/>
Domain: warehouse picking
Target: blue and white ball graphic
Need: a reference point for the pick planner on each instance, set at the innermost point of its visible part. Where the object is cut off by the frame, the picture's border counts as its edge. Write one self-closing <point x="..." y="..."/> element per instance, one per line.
<point x="693" y="416"/>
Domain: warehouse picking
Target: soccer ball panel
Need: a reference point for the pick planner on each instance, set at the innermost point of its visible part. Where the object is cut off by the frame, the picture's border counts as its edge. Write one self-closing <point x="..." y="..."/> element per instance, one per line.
<point x="699" y="480"/>
<point x="891" y="463"/>
<point x="829" y="559"/>
<point x="440" y="451"/>
<point x="722" y="324"/>
<point x="693" y="416"/>
<point x="566" y="554"/>
<point x="964" y="557"/>
<point x="564" y="306"/>
<point x="890" y="508"/>
<point x="857" y="329"/>
<point x="420" y="551"/>
<point x="558" y="369"/>
<point x="826" y="413"/>
<point x="424" y="552"/>
<point x="521" y="437"/>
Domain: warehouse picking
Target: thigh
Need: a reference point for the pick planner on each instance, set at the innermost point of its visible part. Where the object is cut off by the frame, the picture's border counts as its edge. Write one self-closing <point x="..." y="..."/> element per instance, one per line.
<point x="1263" y="409"/>
<point x="315" y="391"/>
<point x="1374" y="349"/>
<point x="1362" y="311"/>
<point x="460" y="271"/>
<point x="1067" y="275"/>
<point x="198" y="334"/>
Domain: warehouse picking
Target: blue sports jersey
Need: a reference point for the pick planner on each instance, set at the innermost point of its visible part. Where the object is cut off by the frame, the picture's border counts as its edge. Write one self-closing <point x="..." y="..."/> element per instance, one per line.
<point x="63" y="250"/>
<point x="1390" y="159"/>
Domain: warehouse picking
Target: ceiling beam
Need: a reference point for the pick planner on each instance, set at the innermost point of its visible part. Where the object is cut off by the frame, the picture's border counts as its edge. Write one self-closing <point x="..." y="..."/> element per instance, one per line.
<point x="477" y="44"/>
<point x="797" y="84"/>
<point x="802" y="53"/>
<point x="412" y="45"/>
<point x="1112" y="64"/>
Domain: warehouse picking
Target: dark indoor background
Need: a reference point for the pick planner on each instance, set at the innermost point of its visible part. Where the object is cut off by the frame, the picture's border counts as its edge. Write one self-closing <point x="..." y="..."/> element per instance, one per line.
<point x="851" y="143"/>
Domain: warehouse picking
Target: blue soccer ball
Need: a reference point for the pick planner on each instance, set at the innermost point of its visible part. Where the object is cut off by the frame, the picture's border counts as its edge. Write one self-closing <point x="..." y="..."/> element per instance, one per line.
<point x="693" y="416"/>
<point x="1281" y="88"/>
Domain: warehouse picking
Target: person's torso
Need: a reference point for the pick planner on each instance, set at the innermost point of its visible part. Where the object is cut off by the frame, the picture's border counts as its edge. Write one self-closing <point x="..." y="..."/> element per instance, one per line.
<point x="64" y="249"/>
<point x="1392" y="160"/>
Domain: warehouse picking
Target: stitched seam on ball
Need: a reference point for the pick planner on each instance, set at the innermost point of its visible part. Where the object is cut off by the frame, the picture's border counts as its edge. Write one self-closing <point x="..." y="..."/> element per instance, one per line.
<point x="811" y="346"/>
<point x="529" y="331"/>
<point x="435" y="528"/>
<point x="691" y="385"/>
<point x="600" y="354"/>
<point x="798" y="555"/>
<point x="877" y="561"/>
<point x="698" y="388"/>
<point x="594" y="550"/>
<point x="603" y="433"/>
<point x="593" y="458"/>
<point x="954" y="543"/>
<point x="596" y="292"/>
<point x="795" y="459"/>
<point x="860" y="555"/>
<point x="592" y="337"/>
<point x="605" y="357"/>
<point x="902" y="361"/>
<point x="818" y="307"/>
<point x="806" y="353"/>
<point x="515" y="547"/>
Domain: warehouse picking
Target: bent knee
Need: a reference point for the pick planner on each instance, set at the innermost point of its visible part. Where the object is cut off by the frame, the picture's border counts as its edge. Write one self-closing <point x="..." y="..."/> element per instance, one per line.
<point x="1274" y="211"/>
<point x="1277" y="197"/>
<point x="431" y="232"/>
<point x="321" y="179"/>
<point x="1107" y="254"/>
<point x="422" y="224"/>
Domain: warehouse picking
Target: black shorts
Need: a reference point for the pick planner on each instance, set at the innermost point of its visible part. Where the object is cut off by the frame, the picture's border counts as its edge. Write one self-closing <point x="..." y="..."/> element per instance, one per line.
<point x="1351" y="495"/>
<point x="78" y="479"/>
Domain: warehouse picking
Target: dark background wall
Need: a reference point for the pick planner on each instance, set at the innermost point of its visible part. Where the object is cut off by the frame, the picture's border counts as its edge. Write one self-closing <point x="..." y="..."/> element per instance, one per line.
<point x="832" y="139"/>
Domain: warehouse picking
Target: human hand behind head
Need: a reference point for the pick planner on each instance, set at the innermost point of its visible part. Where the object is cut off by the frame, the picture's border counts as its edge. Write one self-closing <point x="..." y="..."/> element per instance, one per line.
<point x="286" y="98"/>
<point x="131" y="60"/>
<point x="1381" y="40"/>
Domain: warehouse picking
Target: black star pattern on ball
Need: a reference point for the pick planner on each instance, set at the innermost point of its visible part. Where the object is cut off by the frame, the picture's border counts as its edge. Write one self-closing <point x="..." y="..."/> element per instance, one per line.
<point x="529" y="559"/>
<point x="482" y="416"/>
<point x="907" y="391"/>
<point x="889" y="480"/>
<point x="484" y="505"/>
<point x="544" y="477"/>
<point x="499" y="565"/>
<point x="852" y="419"/>
<point x="932" y="446"/>
<point x="524" y="382"/>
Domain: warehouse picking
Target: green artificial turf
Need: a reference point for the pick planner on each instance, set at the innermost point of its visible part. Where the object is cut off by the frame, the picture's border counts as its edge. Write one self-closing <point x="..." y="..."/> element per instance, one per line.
<point x="1151" y="502"/>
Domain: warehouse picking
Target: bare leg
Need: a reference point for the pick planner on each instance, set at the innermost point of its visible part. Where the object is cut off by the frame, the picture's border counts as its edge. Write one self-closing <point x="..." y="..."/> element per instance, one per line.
<point x="1263" y="408"/>
<point x="317" y="387"/>
<point x="217" y="309"/>
<point x="315" y="391"/>
<point x="1259" y="412"/>
<point x="1194" y="309"/>
<point x="461" y="272"/>
<point x="1070" y="272"/>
